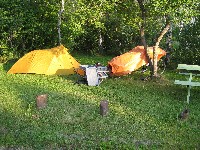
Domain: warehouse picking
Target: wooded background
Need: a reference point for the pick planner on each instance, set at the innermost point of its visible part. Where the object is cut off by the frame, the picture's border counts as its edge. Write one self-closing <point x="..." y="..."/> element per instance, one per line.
<point x="106" y="27"/>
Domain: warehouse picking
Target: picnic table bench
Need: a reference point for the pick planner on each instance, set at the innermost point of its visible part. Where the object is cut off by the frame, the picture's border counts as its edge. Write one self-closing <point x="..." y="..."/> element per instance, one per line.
<point x="191" y="71"/>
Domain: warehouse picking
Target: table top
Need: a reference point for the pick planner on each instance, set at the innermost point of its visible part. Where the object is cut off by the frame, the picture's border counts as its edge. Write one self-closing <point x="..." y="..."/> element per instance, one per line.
<point x="189" y="67"/>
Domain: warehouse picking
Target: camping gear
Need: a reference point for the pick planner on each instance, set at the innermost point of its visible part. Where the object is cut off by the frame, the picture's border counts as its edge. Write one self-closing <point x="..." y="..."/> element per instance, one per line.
<point x="93" y="74"/>
<point x="54" y="61"/>
<point x="132" y="60"/>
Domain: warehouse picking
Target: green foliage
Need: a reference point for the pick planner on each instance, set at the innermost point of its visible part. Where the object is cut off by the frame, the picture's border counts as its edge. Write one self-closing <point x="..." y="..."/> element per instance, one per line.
<point x="87" y="42"/>
<point x="186" y="46"/>
<point x="119" y="36"/>
<point x="141" y="114"/>
<point x="29" y="25"/>
<point x="182" y="10"/>
<point x="90" y="21"/>
<point x="185" y="34"/>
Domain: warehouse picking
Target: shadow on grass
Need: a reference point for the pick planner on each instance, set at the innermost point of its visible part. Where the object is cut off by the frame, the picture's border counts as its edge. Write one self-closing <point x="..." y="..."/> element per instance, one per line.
<point x="47" y="128"/>
<point x="138" y="117"/>
<point x="68" y="122"/>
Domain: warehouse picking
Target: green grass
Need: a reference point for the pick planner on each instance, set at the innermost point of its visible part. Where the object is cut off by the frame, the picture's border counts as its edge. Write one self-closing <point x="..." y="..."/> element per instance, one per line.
<point x="142" y="114"/>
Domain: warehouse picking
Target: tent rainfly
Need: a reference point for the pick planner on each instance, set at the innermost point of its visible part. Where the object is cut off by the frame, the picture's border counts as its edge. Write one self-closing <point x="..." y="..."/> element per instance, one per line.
<point x="54" y="61"/>
<point x="132" y="60"/>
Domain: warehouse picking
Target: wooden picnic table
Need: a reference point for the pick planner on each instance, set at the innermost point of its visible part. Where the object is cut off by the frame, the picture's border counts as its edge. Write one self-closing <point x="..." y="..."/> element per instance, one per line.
<point x="191" y="71"/>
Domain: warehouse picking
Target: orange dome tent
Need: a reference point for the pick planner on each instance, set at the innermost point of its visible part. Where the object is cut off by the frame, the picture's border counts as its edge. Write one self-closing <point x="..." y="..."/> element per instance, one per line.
<point x="132" y="60"/>
<point x="54" y="61"/>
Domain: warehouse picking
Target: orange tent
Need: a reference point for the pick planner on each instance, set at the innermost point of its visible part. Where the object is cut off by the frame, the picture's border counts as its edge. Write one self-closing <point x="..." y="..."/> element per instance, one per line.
<point x="132" y="60"/>
<point x="48" y="61"/>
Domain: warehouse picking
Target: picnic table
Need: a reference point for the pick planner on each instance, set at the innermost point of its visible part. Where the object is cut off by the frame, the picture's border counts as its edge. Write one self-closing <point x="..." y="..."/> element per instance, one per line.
<point x="191" y="71"/>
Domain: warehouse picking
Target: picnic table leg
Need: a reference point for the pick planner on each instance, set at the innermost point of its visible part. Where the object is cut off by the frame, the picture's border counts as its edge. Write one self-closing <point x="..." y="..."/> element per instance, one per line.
<point x="188" y="96"/>
<point x="189" y="87"/>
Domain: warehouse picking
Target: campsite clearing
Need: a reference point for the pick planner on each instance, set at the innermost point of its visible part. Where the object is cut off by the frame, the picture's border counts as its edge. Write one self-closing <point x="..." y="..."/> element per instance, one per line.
<point x="142" y="114"/>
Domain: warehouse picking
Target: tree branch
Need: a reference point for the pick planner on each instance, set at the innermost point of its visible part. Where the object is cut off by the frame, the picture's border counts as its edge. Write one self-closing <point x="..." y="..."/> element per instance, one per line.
<point x="163" y="32"/>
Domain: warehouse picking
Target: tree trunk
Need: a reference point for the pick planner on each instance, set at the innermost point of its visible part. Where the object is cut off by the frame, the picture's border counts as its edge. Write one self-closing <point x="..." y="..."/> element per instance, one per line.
<point x="142" y="33"/>
<point x="155" y="66"/>
<point x="60" y="20"/>
<point x="169" y="45"/>
<point x="155" y="52"/>
<point x="100" y="42"/>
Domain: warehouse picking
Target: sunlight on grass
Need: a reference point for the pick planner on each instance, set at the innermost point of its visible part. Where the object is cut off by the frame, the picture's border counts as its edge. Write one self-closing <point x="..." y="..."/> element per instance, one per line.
<point x="141" y="114"/>
<point x="10" y="102"/>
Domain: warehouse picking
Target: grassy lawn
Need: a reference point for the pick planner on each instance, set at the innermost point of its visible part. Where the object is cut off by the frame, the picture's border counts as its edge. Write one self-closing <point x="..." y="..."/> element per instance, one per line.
<point x="142" y="114"/>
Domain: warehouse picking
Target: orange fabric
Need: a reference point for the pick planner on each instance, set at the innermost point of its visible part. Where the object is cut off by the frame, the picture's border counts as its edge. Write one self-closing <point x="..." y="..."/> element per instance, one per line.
<point x="48" y="61"/>
<point x="132" y="60"/>
<point x="80" y="71"/>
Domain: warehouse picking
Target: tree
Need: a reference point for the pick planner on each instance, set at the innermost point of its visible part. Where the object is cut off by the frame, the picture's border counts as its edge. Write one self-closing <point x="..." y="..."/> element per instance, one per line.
<point x="165" y="11"/>
<point x="87" y="25"/>
<point x="27" y="25"/>
<point x="186" y="45"/>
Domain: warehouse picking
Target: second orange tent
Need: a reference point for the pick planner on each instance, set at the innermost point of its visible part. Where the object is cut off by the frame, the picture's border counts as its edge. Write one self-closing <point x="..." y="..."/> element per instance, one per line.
<point x="132" y="60"/>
